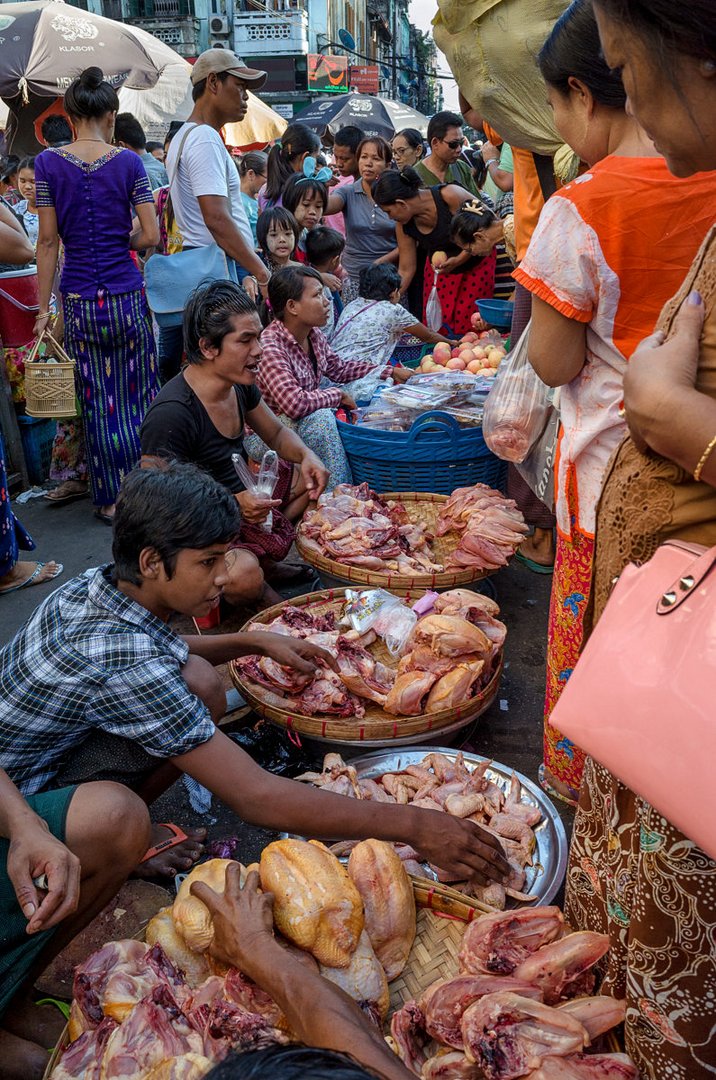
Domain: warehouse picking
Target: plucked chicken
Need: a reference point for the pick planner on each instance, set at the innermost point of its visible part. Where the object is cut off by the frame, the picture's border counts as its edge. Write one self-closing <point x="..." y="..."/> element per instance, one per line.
<point x="409" y="1037"/>
<point x="509" y="1036"/>
<point x="587" y="1067"/>
<point x="364" y="980"/>
<point x="492" y="527"/>
<point x="388" y="902"/>
<point x="191" y="917"/>
<point x="444" y="1003"/>
<point x="153" y="1031"/>
<point x="316" y="905"/>
<point x="597" y="1014"/>
<point x="562" y="968"/>
<point x="161" y="930"/>
<point x="498" y="944"/>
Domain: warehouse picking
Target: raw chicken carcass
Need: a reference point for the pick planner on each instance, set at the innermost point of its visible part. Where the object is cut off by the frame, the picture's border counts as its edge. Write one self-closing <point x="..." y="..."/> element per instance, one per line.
<point x="154" y="1030"/>
<point x="407" y="1030"/>
<point x="364" y="980"/>
<point x="422" y="658"/>
<point x="587" y="1067"/>
<point x="454" y="688"/>
<point x="407" y="693"/>
<point x="316" y="905"/>
<point x="362" y="674"/>
<point x="117" y="976"/>
<point x="597" y="1014"/>
<point x="388" y="902"/>
<point x="497" y="944"/>
<point x="455" y="600"/>
<point x="449" y="635"/>
<point x="191" y="917"/>
<point x="444" y="1003"/>
<point x="509" y="1036"/>
<point x="450" y="1065"/>
<point x="82" y="1060"/>
<point x="162" y="931"/>
<point x="556" y="968"/>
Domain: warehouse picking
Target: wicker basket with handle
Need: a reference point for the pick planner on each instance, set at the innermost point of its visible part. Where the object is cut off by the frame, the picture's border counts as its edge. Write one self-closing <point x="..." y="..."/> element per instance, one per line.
<point x="50" y="387"/>
<point x="376" y="728"/>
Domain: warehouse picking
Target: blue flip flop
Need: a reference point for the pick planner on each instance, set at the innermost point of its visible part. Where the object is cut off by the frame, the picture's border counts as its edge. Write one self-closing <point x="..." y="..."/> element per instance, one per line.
<point x="535" y="567"/>
<point x="32" y="578"/>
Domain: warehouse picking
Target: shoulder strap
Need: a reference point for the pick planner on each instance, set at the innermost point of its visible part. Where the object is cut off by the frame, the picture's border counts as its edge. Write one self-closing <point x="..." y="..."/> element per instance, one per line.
<point x="185" y="136"/>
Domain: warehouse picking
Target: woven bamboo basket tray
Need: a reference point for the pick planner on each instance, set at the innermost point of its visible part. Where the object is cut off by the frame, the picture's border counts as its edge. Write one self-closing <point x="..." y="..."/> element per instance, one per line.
<point x="50" y="388"/>
<point x="376" y="728"/>
<point x="423" y="509"/>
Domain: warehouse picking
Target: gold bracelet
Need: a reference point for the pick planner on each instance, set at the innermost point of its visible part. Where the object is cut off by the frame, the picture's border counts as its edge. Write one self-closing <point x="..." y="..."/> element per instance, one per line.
<point x="703" y="459"/>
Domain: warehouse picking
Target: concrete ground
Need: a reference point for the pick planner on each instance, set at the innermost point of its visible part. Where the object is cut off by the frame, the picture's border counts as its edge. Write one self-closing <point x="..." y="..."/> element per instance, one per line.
<point x="510" y="732"/>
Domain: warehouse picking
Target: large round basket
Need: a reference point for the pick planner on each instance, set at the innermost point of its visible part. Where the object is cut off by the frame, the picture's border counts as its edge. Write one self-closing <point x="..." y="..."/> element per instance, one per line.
<point x="422" y="509"/>
<point x="376" y="728"/>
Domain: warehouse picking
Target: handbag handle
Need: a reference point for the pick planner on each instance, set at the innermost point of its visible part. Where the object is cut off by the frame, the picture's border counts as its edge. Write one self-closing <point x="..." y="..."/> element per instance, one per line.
<point x="687" y="582"/>
<point x="55" y="346"/>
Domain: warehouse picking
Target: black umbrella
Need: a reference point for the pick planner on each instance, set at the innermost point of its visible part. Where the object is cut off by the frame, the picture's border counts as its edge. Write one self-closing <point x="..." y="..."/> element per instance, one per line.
<point x="45" y="44"/>
<point x="373" y="115"/>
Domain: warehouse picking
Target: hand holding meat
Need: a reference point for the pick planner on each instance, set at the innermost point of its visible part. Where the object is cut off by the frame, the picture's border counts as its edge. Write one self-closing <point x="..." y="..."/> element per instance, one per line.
<point x="242" y="918"/>
<point x="35" y="852"/>
<point x="296" y="653"/>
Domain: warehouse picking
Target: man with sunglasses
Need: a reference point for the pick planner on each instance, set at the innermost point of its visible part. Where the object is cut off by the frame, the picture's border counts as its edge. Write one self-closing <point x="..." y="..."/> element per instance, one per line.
<point x="444" y="164"/>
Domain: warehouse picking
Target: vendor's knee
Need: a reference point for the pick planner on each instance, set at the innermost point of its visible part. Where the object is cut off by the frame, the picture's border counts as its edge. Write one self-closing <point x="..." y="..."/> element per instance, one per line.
<point x="246" y="579"/>
<point x="203" y="679"/>
<point x="111" y="821"/>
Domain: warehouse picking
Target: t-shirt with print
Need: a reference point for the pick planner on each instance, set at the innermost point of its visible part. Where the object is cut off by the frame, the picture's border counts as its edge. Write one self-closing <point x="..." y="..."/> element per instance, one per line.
<point x="205" y="168"/>
<point x="370" y="329"/>
<point x="178" y="426"/>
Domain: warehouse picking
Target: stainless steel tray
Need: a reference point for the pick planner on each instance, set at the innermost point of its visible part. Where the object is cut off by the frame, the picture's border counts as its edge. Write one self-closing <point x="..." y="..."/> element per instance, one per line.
<point x="550" y="858"/>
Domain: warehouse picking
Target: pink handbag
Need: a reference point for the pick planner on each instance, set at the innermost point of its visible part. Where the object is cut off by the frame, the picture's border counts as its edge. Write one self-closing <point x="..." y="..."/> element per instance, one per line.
<point x="642" y="698"/>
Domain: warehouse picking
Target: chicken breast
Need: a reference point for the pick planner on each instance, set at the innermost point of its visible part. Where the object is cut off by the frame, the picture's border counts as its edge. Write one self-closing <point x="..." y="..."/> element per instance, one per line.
<point x="454" y="688"/>
<point x="388" y="902"/>
<point x="316" y="904"/>
<point x="449" y="635"/>
<point x="555" y="967"/>
<point x="444" y="1003"/>
<point x="407" y="693"/>
<point x="364" y="980"/>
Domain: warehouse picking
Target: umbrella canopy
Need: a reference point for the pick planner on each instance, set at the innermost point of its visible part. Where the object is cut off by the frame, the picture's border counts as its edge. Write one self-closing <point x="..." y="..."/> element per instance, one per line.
<point x="373" y="115"/>
<point x="46" y="44"/>
<point x="260" y="126"/>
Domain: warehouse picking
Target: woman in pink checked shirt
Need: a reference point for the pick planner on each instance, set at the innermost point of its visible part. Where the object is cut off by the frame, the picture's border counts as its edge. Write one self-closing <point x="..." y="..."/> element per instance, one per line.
<point x="301" y="379"/>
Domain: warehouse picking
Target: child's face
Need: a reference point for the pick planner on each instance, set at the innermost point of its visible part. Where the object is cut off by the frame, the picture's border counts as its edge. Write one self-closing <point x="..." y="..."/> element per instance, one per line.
<point x="255" y="181"/>
<point x="280" y="242"/>
<point x="26" y="184"/>
<point x="197" y="583"/>
<point x="480" y="245"/>
<point x="309" y="211"/>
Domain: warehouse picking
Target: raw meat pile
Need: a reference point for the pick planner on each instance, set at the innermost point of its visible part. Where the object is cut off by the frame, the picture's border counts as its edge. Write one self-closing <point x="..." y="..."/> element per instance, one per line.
<point x="355" y="526"/>
<point x="492" y="527"/>
<point x="440" y="783"/>
<point x="517" y="1008"/>
<point x="140" y="1009"/>
<point x="450" y="655"/>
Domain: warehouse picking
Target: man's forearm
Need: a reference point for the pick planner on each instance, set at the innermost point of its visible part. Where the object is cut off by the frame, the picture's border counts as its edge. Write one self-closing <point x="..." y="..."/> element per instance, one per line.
<point x="14" y="811"/>
<point x="289" y="446"/>
<point x="224" y="647"/>
<point x="230" y="240"/>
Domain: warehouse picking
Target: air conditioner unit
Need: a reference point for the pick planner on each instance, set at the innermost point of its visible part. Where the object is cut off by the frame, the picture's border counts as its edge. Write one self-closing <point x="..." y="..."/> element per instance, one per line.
<point x="219" y="43"/>
<point x="219" y="26"/>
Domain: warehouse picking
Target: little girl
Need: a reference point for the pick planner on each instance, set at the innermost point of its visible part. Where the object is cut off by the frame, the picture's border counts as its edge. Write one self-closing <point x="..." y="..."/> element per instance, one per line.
<point x="307" y="199"/>
<point x="252" y="172"/>
<point x="478" y="230"/>
<point x="27" y="207"/>
<point x="277" y="232"/>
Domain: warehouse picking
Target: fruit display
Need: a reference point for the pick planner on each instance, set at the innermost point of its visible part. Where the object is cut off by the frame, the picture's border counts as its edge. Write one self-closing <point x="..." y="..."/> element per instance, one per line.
<point x="478" y="354"/>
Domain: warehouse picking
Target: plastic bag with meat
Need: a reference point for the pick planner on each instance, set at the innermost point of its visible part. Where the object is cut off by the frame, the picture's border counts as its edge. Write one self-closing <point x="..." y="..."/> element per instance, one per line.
<point x="518" y="406"/>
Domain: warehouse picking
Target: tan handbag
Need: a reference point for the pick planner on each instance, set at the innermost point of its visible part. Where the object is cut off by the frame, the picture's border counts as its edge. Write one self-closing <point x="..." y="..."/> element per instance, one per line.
<point x="50" y="384"/>
<point x="642" y="698"/>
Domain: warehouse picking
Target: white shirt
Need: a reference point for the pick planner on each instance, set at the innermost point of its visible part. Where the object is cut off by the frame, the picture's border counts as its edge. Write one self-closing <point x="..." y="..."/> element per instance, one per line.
<point x="205" y="168"/>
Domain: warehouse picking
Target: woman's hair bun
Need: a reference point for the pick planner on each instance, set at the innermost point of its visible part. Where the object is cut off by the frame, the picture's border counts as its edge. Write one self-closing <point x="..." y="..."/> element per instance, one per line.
<point x="92" y="78"/>
<point x="411" y="178"/>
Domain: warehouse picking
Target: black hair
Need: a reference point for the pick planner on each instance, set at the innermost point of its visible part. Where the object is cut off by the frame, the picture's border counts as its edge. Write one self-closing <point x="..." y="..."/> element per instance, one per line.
<point x="90" y="96"/>
<point x="573" y="50"/>
<point x="198" y="89"/>
<point x="288" y="284"/>
<point x="394" y="185"/>
<point x="208" y="314"/>
<point x="323" y="244"/>
<point x="412" y="137"/>
<point x="378" y="282"/>
<point x="255" y="160"/>
<point x="296" y="140"/>
<point x="169" y="507"/>
<point x="466" y="223"/>
<point x="670" y="30"/>
<point x="292" y="1062"/>
<point x="350" y="136"/>
<point x="174" y="127"/>
<point x="127" y="129"/>
<point x="56" y="130"/>
<point x="152" y="146"/>
<point x="27" y="163"/>
<point x="9" y="166"/>
<point x="440" y="123"/>
<point x="299" y="186"/>
<point x="383" y="146"/>
<point x="279" y="216"/>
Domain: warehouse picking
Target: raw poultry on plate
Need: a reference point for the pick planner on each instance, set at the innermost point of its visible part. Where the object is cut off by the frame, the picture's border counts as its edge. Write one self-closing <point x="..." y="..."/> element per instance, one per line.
<point x="355" y="526"/>
<point x="451" y="654"/>
<point x="448" y="785"/>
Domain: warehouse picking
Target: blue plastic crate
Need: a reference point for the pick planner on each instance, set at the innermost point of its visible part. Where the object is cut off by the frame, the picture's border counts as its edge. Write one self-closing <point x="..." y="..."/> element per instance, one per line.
<point x="37" y="439"/>
<point x="435" y="455"/>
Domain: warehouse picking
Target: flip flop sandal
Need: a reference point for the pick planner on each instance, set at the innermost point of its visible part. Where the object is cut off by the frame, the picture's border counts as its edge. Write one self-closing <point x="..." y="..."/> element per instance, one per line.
<point x="535" y="567"/>
<point x="106" y="519"/>
<point x="62" y="500"/>
<point x="32" y="578"/>
<point x="178" y="837"/>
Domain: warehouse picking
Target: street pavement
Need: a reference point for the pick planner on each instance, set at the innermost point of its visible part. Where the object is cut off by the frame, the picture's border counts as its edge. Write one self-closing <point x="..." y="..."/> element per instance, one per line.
<point x="510" y="732"/>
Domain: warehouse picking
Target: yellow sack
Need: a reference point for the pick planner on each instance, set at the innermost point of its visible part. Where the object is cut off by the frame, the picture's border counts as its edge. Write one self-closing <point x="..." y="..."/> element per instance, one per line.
<point x="491" y="47"/>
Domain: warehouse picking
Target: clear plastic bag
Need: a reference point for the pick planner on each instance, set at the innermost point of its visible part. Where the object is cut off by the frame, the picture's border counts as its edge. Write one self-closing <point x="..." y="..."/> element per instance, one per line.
<point x="262" y="483"/>
<point x="433" y="309"/>
<point x="380" y="611"/>
<point x="518" y="407"/>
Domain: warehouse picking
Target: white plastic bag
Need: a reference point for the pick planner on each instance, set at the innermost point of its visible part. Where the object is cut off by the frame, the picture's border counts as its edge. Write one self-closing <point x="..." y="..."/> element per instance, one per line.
<point x="433" y="309"/>
<point x="387" y="615"/>
<point x="262" y="483"/>
<point x="518" y="406"/>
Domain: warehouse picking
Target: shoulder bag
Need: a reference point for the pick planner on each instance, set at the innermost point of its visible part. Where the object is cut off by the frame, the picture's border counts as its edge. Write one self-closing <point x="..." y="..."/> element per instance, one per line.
<point x="169" y="279"/>
<point x="642" y="698"/>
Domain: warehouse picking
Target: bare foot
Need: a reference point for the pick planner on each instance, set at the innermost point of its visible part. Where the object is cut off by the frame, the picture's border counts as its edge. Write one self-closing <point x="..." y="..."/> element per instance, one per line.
<point x="539" y="547"/>
<point x="173" y="860"/>
<point x="23" y="571"/>
<point x="20" y="1059"/>
<point x="40" y="1024"/>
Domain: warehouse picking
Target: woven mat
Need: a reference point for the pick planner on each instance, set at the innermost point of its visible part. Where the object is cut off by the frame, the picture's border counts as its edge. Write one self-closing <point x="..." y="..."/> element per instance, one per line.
<point x="433" y="956"/>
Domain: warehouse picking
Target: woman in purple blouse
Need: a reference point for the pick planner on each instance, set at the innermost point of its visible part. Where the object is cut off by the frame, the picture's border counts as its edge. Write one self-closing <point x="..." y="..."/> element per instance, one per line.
<point x="87" y="193"/>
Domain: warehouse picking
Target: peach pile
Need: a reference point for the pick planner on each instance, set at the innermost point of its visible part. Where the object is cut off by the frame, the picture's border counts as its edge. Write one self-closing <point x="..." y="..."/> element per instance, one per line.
<point x="468" y="355"/>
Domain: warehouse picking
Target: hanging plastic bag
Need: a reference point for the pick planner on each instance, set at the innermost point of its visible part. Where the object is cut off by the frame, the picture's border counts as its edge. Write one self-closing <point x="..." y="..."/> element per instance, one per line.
<point x="537" y="470"/>
<point x="262" y="483"/>
<point x="518" y="406"/>
<point x="433" y="308"/>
